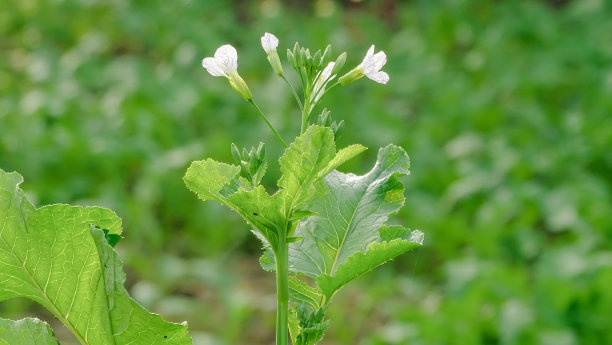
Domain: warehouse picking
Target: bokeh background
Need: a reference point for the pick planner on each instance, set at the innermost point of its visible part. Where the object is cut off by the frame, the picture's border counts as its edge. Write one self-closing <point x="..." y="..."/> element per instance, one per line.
<point x="504" y="107"/>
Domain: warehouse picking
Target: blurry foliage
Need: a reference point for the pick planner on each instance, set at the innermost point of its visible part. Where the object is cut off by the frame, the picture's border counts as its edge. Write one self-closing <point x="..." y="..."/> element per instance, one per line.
<point x="504" y="107"/>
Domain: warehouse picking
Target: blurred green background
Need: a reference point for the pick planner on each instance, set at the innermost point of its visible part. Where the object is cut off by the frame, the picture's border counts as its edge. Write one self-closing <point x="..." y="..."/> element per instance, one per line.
<point x="504" y="107"/>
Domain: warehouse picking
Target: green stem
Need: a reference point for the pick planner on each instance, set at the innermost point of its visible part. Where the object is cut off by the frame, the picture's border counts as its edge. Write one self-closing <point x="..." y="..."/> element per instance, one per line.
<point x="282" y="291"/>
<point x="304" y="119"/>
<point x="297" y="98"/>
<point x="263" y="116"/>
<point x="306" y="109"/>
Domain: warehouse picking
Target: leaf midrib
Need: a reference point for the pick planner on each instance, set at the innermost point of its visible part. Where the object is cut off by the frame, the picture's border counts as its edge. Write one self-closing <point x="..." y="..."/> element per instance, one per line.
<point x="335" y="262"/>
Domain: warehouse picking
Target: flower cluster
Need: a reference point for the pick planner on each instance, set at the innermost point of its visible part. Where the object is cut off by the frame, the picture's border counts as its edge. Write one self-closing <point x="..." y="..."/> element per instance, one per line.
<point x="317" y="72"/>
<point x="225" y="64"/>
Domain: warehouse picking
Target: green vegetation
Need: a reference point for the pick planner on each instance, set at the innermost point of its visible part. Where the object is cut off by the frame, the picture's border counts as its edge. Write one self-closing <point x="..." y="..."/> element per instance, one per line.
<point x="61" y="257"/>
<point x="504" y="108"/>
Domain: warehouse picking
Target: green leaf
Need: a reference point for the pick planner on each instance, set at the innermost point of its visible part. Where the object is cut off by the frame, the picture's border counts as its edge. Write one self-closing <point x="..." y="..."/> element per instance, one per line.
<point x="59" y="256"/>
<point x="259" y="209"/>
<point x="307" y="159"/>
<point x="300" y="292"/>
<point x="212" y="180"/>
<point x="303" y="163"/>
<point x="361" y="263"/>
<point x="26" y="332"/>
<point x="341" y="157"/>
<point x="312" y="325"/>
<point x="294" y="325"/>
<point x="350" y="210"/>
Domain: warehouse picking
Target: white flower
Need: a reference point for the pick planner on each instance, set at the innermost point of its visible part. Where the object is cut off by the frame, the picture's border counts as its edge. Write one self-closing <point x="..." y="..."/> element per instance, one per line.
<point x="321" y="80"/>
<point x="224" y="63"/>
<point x="372" y="65"/>
<point x="269" y="42"/>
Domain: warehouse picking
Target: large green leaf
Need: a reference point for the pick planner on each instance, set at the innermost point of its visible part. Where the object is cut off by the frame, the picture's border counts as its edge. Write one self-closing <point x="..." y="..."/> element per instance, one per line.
<point x="342" y="241"/>
<point x="59" y="256"/>
<point x="26" y="332"/>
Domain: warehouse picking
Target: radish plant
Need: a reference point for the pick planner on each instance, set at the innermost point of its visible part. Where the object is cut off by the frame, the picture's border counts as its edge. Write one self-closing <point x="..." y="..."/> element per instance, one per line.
<point x="321" y="228"/>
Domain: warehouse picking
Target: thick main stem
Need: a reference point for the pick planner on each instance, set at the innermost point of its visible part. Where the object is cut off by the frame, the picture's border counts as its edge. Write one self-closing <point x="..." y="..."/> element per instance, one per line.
<point x="282" y="292"/>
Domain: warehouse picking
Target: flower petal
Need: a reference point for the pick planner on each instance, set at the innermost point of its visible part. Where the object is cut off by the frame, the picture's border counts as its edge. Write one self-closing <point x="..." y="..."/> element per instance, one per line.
<point x="327" y="70"/>
<point x="380" y="59"/>
<point x="368" y="65"/>
<point x="370" y="51"/>
<point x="269" y="42"/>
<point x="227" y="58"/>
<point x="212" y="67"/>
<point x="379" y="77"/>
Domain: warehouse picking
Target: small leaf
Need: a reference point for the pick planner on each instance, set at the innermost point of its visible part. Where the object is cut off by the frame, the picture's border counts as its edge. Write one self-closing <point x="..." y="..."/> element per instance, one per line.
<point x="294" y="239"/>
<point x="312" y="325"/>
<point x="26" y="332"/>
<point x="211" y="180"/>
<point x="300" y="214"/>
<point x="236" y="153"/>
<point x="300" y="292"/>
<point x="294" y="325"/>
<point x="267" y="260"/>
<point x="341" y="157"/>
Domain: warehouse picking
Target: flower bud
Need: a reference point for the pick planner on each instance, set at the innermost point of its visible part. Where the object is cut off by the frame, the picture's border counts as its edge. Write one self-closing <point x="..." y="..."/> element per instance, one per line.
<point x="316" y="59"/>
<point x="338" y="129"/>
<point x="326" y="56"/>
<point x="339" y="63"/>
<point x="236" y="153"/>
<point x="275" y="62"/>
<point x="291" y="58"/>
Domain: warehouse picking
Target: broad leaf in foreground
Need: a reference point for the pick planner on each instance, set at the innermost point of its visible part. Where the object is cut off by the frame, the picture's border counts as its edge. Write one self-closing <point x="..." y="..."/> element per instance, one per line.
<point x="26" y="332"/>
<point x="343" y="240"/>
<point x="59" y="256"/>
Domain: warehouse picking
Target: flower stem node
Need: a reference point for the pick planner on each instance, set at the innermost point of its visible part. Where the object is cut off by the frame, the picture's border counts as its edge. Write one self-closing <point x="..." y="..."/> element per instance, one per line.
<point x="225" y="64"/>
<point x="370" y="67"/>
<point x="269" y="43"/>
